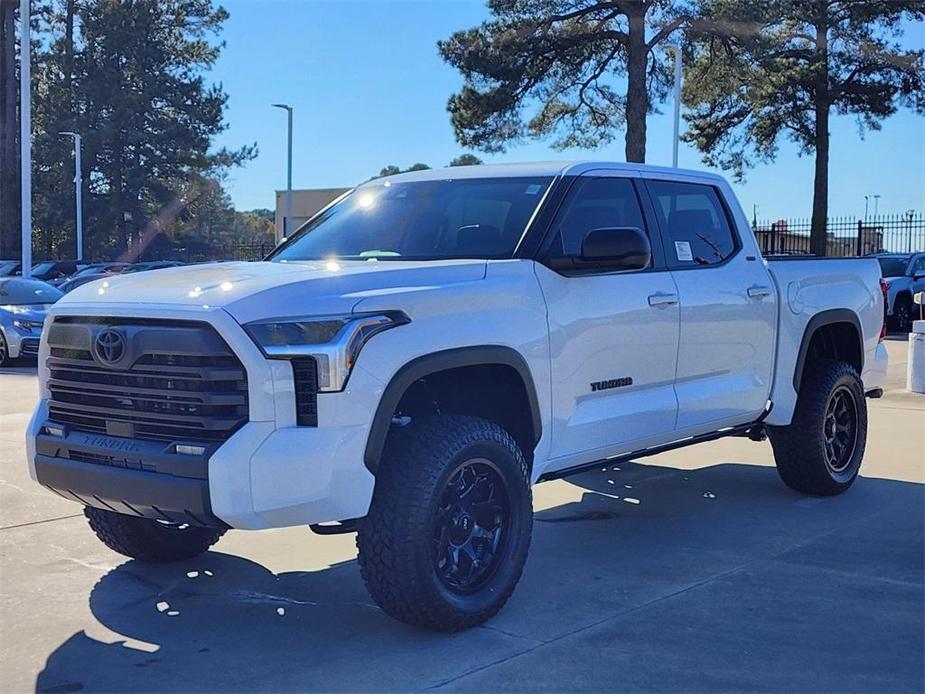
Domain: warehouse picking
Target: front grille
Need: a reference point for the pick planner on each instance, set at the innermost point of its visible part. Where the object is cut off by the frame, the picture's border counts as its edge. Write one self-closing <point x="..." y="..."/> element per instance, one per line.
<point x="305" y="373"/>
<point x="175" y="381"/>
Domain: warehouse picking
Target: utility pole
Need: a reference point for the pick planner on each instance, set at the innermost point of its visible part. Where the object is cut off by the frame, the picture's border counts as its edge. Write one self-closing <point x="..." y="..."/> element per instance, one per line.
<point x="78" y="194"/>
<point x="876" y="204"/>
<point x="287" y="218"/>
<point x="676" y="51"/>
<point x="25" y="132"/>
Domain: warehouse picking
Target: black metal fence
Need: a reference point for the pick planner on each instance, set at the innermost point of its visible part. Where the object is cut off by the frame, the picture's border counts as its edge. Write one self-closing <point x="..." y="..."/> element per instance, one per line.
<point x="846" y="236"/>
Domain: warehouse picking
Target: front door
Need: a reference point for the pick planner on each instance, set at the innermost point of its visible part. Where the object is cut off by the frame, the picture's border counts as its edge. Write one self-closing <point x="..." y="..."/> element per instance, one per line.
<point x="613" y="335"/>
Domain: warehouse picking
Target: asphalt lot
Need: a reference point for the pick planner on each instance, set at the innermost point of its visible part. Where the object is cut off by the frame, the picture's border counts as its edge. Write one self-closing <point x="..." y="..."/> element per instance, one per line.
<point x="695" y="570"/>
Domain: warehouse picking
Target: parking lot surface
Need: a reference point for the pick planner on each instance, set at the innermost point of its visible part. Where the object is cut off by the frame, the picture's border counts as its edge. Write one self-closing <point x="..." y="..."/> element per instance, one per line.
<point x="693" y="570"/>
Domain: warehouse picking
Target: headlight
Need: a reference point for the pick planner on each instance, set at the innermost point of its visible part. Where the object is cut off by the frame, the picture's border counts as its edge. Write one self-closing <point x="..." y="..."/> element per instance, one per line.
<point x="333" y="341"/>
<point x="25" y="326"/>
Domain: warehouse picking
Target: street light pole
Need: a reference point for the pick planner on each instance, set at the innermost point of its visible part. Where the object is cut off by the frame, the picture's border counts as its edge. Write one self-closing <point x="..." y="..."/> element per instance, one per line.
<point x="287" y="218"/>
<point x="676" y="51"/>
<point x="876" y="204"/>
<point x="25" y="133"/>
<point x="78" y="193"/>
<point x="866" y="200"/>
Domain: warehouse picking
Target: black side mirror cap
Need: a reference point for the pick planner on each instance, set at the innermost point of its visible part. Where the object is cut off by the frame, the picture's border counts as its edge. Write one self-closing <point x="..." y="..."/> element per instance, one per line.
<point x="617" y="248"/>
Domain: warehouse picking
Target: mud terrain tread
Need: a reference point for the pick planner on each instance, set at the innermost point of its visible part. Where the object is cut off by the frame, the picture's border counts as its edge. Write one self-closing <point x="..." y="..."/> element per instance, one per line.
<point x="147" y="540"/>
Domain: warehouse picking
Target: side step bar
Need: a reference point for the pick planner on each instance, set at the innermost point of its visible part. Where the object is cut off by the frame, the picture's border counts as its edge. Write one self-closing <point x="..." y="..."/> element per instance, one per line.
<point x="754" y="430"/>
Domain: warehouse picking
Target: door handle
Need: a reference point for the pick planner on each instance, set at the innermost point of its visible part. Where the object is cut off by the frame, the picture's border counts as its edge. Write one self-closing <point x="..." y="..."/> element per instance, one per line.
<point x="757" y="291"/>
<point x="663" y="299"/>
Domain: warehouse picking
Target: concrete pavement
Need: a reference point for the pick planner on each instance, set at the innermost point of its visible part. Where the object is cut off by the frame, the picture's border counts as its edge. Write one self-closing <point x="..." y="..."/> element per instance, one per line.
<point x="691" y="571"/>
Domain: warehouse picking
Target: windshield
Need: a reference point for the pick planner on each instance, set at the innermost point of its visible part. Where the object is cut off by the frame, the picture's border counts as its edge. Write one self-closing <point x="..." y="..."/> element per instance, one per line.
<point x="7" y="267"/>
<point x="25" y="292"/>
<point x="42" y="268"/>
<point x="893" y="267"/>
<point x="421" y="220"/>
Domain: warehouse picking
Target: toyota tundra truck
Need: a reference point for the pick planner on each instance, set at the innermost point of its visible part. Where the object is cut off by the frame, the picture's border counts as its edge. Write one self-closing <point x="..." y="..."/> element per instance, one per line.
<point x="411" y="360"/>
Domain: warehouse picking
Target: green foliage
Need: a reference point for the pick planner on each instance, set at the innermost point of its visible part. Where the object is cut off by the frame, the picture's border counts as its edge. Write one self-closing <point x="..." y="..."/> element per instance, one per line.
<point x="554" y="68"/>
<point x="765" y="70"/>
<point x="466" y="160"/>
<point x="128" y="76"/>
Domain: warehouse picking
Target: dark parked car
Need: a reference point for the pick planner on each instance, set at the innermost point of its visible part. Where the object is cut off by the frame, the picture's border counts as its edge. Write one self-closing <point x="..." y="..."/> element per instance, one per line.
<point x="50" y="270"/>
<point x="9" y="267"/>
<point x="94" y="272"/>
<point x="154" y="265"/>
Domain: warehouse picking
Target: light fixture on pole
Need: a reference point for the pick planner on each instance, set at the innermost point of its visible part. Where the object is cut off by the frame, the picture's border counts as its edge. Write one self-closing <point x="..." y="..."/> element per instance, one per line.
<point x="78" y="193"/>
<point x="287" y="217"/>
<point x="675" y="50"/>
<point x="25" y="133"/>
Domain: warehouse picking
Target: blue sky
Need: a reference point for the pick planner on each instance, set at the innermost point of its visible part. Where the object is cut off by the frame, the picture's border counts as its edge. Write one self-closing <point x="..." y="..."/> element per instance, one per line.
<point x="369" y="89"/>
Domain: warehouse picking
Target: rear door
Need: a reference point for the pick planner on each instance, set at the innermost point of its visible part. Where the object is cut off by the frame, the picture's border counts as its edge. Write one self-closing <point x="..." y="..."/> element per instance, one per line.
<point x="728" y="307"/>
<point x="613" y="335"/>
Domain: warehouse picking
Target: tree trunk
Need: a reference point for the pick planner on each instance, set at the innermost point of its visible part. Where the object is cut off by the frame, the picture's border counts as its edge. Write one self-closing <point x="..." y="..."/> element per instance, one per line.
<point x="637" y="97"/>
<point x="818" y="238"/>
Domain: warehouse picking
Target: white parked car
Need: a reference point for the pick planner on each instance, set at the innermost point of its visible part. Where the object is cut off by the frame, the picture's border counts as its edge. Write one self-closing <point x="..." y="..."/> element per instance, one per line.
<point x="23" y="305"/>
<point x="904" y="274"/>
<point x="420" y="353"/>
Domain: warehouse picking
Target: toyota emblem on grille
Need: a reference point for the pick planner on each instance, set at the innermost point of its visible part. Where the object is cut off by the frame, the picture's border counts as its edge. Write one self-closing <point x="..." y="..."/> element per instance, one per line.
<point x="110" y="346"/>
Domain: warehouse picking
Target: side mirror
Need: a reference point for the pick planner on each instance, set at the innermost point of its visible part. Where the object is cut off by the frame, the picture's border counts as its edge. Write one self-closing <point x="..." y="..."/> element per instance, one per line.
<point x="617" y="248"/>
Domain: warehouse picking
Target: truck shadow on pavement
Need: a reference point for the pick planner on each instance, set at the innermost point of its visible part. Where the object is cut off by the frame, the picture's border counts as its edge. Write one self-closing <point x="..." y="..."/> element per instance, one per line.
<point x="657" y="578"/>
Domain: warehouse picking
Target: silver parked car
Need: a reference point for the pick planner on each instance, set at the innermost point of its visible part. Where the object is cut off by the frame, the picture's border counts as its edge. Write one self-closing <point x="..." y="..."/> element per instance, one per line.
<point x="23" y="305"/>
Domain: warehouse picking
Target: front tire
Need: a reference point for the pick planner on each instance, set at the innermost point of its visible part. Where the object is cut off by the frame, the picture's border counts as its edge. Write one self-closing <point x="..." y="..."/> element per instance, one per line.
<point x="820" y="451"/>
<point x="447" y="533"/>
<point x="4" y="351"/>
<point x="150" y="540"/>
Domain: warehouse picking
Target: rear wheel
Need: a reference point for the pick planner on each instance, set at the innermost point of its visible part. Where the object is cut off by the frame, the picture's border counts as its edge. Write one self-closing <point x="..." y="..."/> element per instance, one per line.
<point x="447" y="534"/>
<point x="4" y="351"/>
<point x="820" y="451"/>
<point x="902" y="314"/>
<point x="150" y="540"/>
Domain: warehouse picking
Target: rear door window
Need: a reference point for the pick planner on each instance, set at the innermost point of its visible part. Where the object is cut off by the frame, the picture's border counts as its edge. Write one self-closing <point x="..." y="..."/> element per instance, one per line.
<point x="697" y="229"/>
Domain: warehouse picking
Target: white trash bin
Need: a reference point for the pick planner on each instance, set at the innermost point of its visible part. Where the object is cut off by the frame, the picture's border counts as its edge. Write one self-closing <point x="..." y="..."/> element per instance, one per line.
<point x="915" y="370"/>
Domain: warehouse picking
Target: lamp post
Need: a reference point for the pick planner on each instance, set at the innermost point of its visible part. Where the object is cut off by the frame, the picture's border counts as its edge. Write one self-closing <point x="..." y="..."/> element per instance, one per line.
<point x="676" y="51"/>
<point x="78" y="193"/>
<point x="288" y="215"/>
<point x="25" y="133"/>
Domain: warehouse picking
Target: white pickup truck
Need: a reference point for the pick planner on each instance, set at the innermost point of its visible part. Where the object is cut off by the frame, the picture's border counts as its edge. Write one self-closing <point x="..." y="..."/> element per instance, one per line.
<point x="429" y="346"/>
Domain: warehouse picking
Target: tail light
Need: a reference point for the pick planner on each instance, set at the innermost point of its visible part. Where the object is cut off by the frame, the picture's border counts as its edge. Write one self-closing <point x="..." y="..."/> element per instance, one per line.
<point x="885" y="289"/>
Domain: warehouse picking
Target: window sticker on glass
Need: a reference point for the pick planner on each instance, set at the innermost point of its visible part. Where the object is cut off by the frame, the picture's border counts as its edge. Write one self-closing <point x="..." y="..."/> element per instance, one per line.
<point x="533" y="189"/>
<point x="683" y="250"/>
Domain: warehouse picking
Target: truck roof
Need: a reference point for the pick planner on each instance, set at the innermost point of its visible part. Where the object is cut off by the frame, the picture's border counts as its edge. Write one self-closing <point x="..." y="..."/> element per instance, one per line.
<point x="542" y="168"/>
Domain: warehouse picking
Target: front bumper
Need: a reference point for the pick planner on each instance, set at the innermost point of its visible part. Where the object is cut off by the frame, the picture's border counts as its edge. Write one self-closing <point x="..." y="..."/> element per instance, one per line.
<point x="20" y="345"/>
<point x="269" y="473"/>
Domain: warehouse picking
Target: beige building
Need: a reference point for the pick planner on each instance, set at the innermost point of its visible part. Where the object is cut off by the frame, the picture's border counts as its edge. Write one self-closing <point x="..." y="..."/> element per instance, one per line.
<point x="305" y="203"/>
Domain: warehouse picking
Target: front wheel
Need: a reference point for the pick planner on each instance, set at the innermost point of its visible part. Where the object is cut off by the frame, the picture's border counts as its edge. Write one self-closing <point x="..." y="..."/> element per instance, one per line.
<point x="820" y="451"/>
<point x="4" y="351"/>
<point x="150" y="540"/>
<point x="447" y="533"/>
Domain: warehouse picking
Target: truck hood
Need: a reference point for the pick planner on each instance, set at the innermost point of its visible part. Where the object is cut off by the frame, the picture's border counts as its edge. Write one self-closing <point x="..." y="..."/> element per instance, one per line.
<point x="253" y="291"/>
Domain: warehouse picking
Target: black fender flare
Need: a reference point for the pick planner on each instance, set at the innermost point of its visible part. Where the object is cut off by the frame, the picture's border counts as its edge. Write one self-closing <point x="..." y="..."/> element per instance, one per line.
<point x="821" y="319"/>
<point x="418" y="368"/>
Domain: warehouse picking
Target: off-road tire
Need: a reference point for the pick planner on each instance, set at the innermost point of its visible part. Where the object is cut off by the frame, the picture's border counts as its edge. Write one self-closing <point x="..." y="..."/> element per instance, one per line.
<point x="396" y="540"/>
<point x="903" y="314"/>
<point x="149" y="540"/>
<point x="800" y="448"/>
